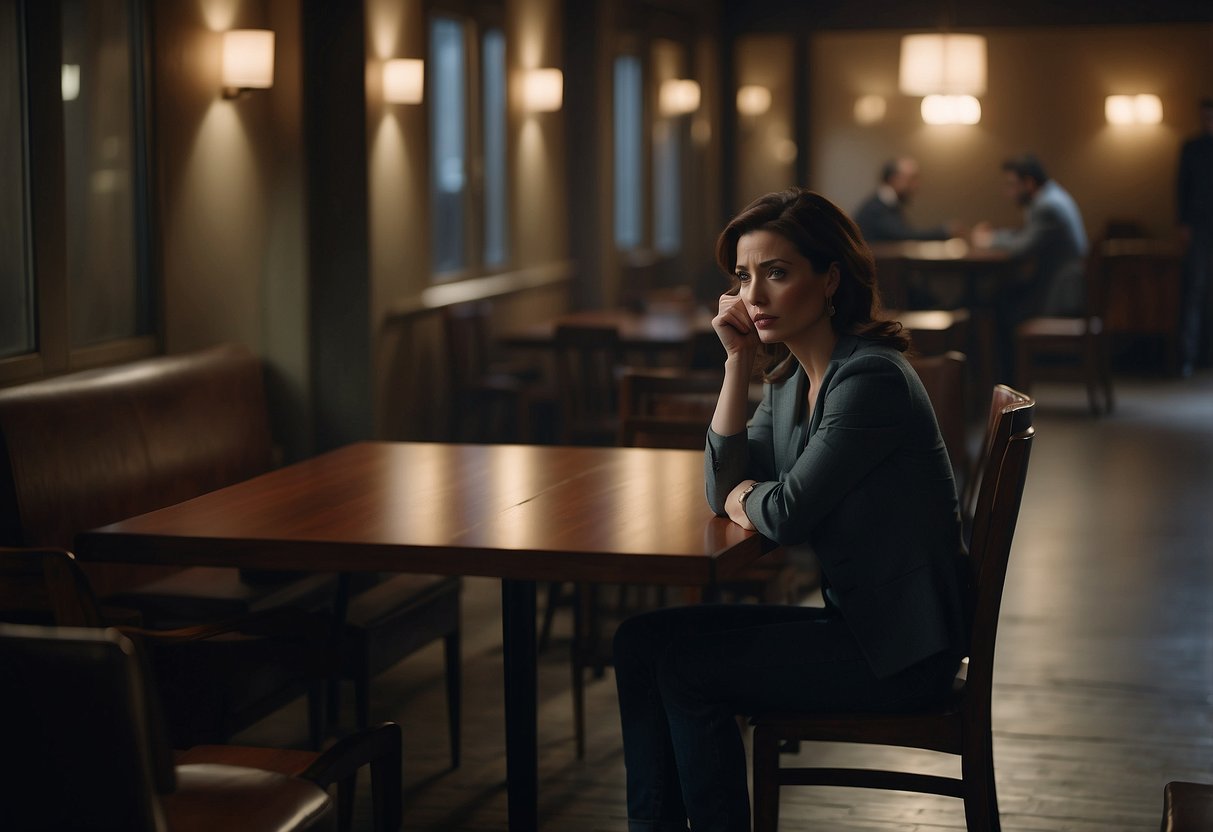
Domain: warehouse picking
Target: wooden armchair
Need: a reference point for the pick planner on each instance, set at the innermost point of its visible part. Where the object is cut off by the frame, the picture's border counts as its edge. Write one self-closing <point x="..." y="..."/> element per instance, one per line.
<point x="961" y="726"/>
<point x="85" y="750"/>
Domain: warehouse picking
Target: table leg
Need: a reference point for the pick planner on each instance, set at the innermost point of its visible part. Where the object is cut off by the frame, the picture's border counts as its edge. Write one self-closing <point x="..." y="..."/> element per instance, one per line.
<point x="521" y="693"/>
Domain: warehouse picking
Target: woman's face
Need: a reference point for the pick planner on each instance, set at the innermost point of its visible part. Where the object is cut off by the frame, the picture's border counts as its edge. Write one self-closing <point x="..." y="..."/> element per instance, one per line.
<point x="785" y="296"/>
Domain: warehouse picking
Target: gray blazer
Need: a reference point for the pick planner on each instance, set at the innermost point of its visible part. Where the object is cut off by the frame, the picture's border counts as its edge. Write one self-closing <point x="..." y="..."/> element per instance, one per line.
<point x="867" y="483"/>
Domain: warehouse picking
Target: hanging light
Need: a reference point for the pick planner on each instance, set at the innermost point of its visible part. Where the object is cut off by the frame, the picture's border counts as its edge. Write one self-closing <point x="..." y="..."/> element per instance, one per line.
<point x="943" y="64"/>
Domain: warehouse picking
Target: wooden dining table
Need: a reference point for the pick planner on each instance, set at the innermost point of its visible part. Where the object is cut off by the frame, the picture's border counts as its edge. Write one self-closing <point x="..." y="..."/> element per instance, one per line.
<point x="652" y="330"/>
<point x="522" y="513"/>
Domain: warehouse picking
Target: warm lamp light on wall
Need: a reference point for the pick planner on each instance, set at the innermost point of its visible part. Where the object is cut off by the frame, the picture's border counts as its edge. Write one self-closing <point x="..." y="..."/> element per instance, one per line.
<point x="404" y="81"/>
<point x="1133" y="109"/>
<point x="542" y="90"/>
<point x="869" y="109"/>
<point x="753" y="100"/>
<point x="678" y="97"/>
<point x="248" y="61"/>
<point x="949" y="71"/>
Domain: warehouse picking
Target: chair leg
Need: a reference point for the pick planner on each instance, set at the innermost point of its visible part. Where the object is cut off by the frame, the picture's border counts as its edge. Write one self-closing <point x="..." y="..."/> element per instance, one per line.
<point x="454" y="694"/>
<point x="766" y="780"/>
<point x="577" y="661"/>
<point x="316" y="714"/>
<point x="981" y="796"/>
<point x="545" y="630"/>
<point x="386" y="773"/>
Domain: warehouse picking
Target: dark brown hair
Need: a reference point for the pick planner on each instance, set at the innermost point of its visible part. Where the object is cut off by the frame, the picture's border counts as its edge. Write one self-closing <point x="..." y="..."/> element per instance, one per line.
<point x="824" y="235"/>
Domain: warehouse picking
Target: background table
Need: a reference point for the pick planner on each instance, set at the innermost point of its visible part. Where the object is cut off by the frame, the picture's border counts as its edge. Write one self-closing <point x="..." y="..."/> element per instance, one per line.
<point x="518" y="512"/>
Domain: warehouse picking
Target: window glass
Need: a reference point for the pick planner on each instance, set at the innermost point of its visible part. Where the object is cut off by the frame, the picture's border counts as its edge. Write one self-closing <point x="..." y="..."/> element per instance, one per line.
<point x="16" y="291"/>
<point x="448" y="142"/>
<point x="496" y="247"/>
<point x="629" y="164"/>
<point x="667" y="186"/>
<point x="106" y="299"/>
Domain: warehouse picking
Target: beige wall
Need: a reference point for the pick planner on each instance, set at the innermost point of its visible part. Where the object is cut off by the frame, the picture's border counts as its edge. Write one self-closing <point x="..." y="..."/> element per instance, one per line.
<point x="1046" y="94"/>
<point x="766" y="145"/>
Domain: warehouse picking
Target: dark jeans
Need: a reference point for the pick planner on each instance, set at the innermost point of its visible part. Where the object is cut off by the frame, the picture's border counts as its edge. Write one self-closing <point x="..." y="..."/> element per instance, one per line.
<point x="684" y="673"/>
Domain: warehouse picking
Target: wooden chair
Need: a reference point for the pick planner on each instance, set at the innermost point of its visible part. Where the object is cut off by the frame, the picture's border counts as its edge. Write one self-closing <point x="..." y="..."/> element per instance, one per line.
<point x="490" y="399"/>
<point x="943" y="376"/>
<point x="85" y="750"/>
<point x="1071" y="349"/>
<point x="214" y="679"/>
<point x="962" y="725"/>
<point x="936" y="331"/>
<point x="666" y="407"/>
<point x="1187" y="807"/>
<point x="587" y="359"/>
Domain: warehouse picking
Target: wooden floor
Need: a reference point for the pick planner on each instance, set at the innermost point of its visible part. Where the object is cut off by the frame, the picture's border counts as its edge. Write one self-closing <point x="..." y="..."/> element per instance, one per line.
<point x="1104" y="684"/>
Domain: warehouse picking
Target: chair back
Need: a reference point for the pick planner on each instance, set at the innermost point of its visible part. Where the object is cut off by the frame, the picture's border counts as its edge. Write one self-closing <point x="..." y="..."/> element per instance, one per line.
<point x="45" y="586"/>
<point x="666" y="407"/>
<point x="943" y="376"/>
<point x="80" y="750"/>
<point x="586" y="360"/>
<point x="465" y="328"/>
<point x="1004" y="472"/>
<point x="1003" y="398"/>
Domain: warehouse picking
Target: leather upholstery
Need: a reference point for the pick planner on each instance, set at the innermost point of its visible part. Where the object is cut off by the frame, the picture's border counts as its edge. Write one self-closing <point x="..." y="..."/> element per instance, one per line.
<point x="211" y="797"/>
<point x="1187" y="807"/>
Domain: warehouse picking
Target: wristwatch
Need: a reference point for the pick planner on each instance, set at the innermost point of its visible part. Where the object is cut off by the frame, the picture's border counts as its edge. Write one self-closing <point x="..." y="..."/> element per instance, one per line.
<point x="746" y="493"/>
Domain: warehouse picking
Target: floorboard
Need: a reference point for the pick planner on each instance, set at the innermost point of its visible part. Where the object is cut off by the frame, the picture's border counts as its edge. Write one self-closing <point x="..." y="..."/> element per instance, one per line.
<point x="1104" y="676"/>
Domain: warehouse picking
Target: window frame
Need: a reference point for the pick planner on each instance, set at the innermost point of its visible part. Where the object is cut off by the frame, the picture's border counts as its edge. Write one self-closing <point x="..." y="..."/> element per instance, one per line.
<point x="46" y="206"/>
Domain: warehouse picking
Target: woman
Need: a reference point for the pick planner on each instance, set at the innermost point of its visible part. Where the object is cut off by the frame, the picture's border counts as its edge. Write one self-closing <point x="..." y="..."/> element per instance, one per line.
<point x="844" y="454"/>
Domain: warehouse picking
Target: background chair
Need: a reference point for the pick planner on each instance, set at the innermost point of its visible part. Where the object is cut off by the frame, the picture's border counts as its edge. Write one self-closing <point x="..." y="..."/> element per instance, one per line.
<point x="962" y="725"/>
<point x="213" y="679"/>
<point x="1071" y="349"/>
<point x="85" y="750"/>
<point x="587" y="362"/>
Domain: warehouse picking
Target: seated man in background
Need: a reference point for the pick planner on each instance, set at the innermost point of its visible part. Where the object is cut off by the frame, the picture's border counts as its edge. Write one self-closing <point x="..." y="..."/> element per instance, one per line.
<point x="881" y="216"/>
<point x="1052" y="242"/>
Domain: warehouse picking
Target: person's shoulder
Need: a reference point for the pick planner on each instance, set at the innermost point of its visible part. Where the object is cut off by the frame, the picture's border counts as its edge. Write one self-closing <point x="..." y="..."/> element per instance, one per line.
<point x="875" y="357"/>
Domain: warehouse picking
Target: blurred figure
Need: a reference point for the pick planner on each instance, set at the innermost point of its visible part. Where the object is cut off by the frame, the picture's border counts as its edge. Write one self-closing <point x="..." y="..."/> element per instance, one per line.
<point x="881" y="216"/>
<point x="1195" y="191"/>
<point x="1052" y="243"/>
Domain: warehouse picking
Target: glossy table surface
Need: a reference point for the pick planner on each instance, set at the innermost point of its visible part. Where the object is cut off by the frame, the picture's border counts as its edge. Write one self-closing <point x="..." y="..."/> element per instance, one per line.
<point x="510" y="511"/>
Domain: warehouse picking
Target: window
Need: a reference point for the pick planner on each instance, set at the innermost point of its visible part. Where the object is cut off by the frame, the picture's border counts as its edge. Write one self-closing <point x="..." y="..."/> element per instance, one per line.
<point x="16" y="288"/>
<point x="468" y="161"/>
<point x="629" y="159"/>
<point x="667" y="186"/>
<point x="74" y="277"/>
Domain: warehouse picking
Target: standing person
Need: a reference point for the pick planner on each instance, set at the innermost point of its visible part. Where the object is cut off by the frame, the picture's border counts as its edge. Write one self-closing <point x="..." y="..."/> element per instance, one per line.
<point x="1052" y="243"/>
<point x="1195" y="189"/>
<point x="843" y="455"/>
<point x="881" y="217"/>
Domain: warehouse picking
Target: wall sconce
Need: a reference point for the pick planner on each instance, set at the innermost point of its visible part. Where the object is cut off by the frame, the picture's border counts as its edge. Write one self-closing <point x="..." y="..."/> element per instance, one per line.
<point x="248" y="61"/>
<point x="870" y="109"/>
<point x="1133" y="109"/>
<point x="678" y="96"/>
<point x="951" y="109"/>
<point x="753" y="100"/>
<point x="943" y="65"/>
<point x="404" y="81"/>
<point x="542" y="90"/>
<point x="69" y="81"/>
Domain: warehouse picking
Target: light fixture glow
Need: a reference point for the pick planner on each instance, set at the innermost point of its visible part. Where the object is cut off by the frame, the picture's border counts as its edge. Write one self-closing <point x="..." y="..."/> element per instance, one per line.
<point x="248" y="61"/>
<point x="951" y="109"/>
<point x="870" y="109"/>
<point x="753" y="100"/>
<point x="543" y="90"/>
<point x="1133" y="109"/>
<point x="69" y="81"/>
<point x="678" y="96"/>
<point x="404" y="81"/>
<point x="943" y="65"/>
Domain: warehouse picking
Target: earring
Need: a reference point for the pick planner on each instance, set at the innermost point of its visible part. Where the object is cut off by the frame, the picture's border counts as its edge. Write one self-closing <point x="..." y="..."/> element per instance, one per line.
<point x="830" y="310"/>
